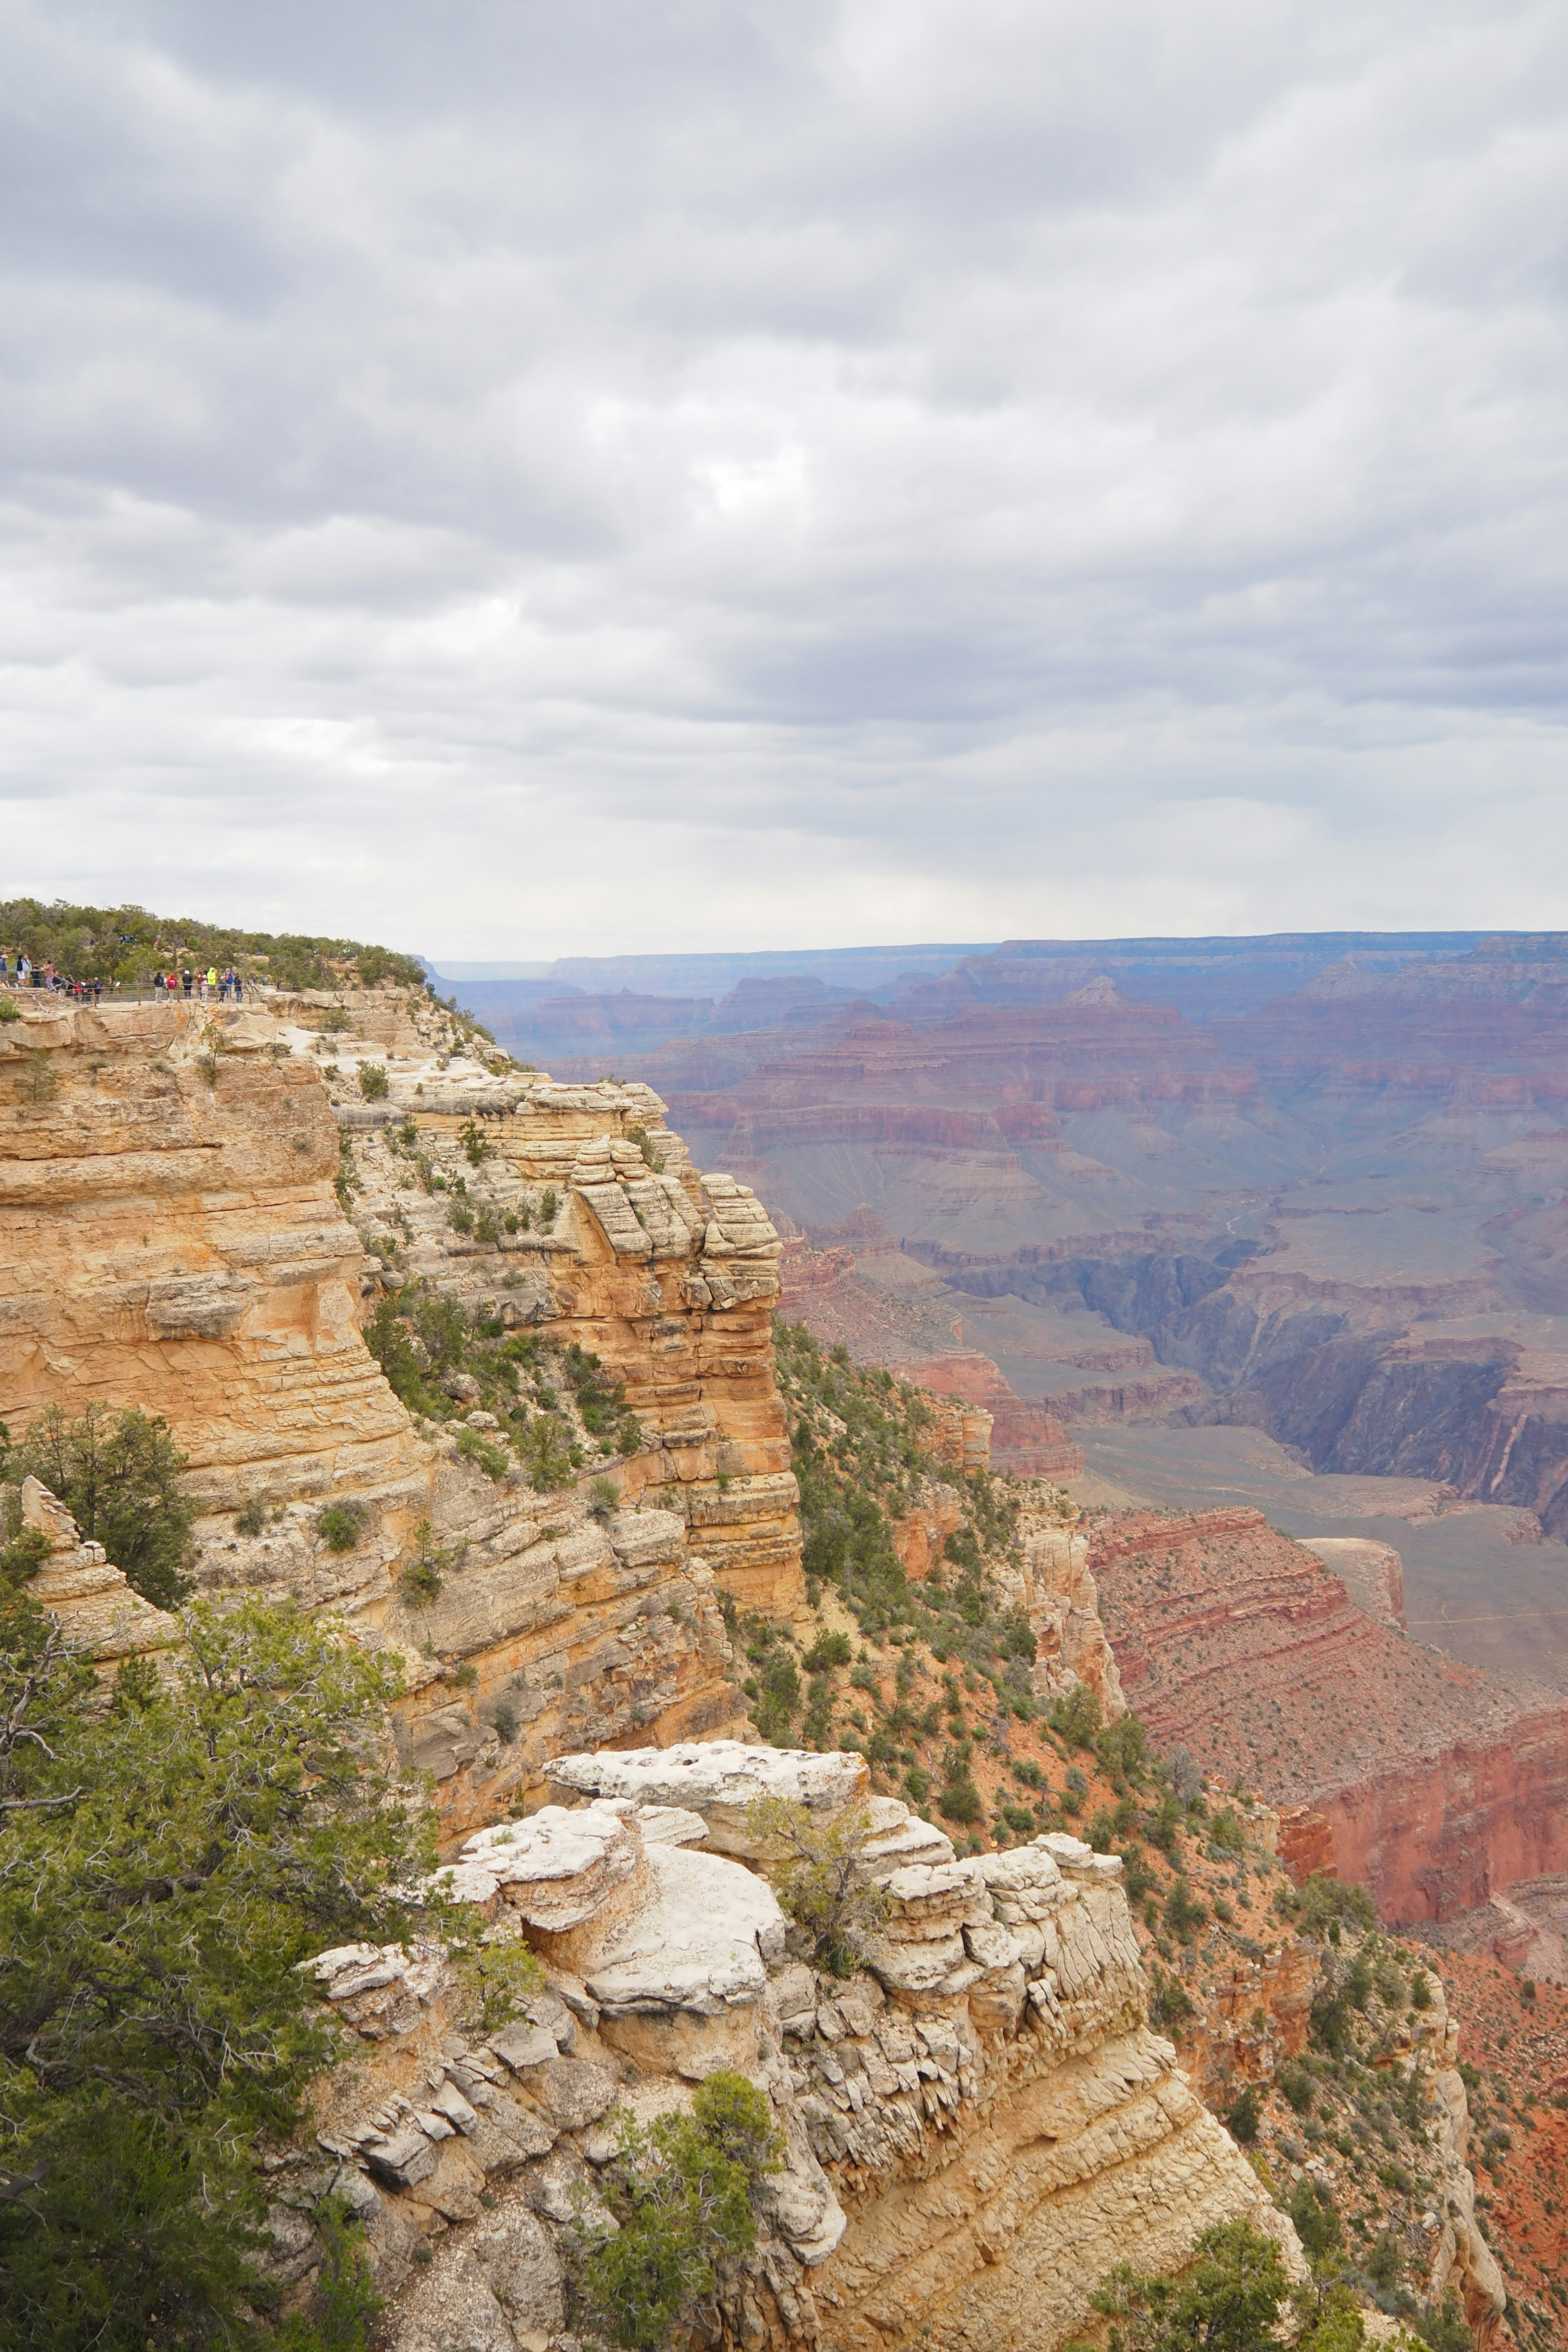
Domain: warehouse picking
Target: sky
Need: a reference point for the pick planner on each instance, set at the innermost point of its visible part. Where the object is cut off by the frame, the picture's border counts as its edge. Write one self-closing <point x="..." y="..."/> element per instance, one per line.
<point x="512" y="480"/>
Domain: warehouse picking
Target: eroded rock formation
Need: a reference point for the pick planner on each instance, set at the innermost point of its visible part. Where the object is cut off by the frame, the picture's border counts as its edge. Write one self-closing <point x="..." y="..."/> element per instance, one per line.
<point x="979" y="2124"/>
<point x="173" y="1238"/>
<point x="1436" y="1783"/>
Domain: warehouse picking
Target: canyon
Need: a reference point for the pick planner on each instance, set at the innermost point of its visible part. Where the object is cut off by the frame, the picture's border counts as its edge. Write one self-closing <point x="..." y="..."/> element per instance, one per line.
<point x="205" y="1210"/>
<point x="977" y="2122"/>
<point x="1425" y="1779"/>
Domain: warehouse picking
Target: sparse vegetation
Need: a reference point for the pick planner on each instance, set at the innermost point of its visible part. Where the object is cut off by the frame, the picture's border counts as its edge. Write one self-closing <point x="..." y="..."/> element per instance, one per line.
<point x="681" y="2191"/>
<point x="341" y="1524"/>
<point x="821" y="1881"/>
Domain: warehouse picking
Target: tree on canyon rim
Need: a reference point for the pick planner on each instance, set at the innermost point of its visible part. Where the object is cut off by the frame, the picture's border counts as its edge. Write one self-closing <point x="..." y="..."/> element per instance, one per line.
<point x="170" y="1852"/>
<point x="118" y="1473"/>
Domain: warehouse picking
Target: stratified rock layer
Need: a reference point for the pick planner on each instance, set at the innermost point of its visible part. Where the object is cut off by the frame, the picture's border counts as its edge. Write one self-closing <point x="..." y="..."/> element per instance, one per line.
<point x="979" y="2124"/>
<point x="171" y="1236"/>
<point x="1436" y="1783"/>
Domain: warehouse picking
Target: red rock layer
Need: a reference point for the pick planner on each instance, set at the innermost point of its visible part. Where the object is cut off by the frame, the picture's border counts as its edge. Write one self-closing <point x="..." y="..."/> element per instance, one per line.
<point x="1438" y="1784"/>
<point x="989" y="1078"/>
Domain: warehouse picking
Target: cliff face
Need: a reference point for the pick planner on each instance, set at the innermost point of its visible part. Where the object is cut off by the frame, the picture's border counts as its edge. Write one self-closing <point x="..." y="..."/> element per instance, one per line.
<point x="171" y="1240"/>
<point x="980" y="2123"/>
<point x="171" y="1237"/>
<point x="1437" y="1784"/>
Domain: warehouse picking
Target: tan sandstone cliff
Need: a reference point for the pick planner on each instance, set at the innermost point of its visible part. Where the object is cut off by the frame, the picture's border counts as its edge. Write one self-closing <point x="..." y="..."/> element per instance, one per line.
<point x="170" y="1238"/>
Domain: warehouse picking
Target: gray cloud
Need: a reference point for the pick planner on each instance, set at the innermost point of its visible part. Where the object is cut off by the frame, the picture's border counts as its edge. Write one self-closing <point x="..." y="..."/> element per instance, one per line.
<point x="520" y="481"/>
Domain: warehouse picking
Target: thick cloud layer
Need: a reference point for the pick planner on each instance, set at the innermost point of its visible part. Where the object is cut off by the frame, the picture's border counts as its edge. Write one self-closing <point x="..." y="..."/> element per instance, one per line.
<point x="515" y="478"/>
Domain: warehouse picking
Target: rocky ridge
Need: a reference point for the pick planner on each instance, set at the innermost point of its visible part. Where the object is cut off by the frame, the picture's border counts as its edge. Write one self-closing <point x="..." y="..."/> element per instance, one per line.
<point x="1436" y="1783"/>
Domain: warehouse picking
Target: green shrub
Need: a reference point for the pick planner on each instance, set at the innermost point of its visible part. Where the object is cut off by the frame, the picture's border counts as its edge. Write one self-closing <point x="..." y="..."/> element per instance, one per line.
<point x="498" y="1976"/>
<point x="958" y="1800"/>
<point x="38" y="1084"/>
<point x="341" y="1524"/>
<point x="1311" y="2208"/>
<point x="9" y="1008"/>
<point x="604" y="1500"/>
<point x="460" y="1217"/>
<point x="1123" y="1751"/>
<point x="424" y="1573"/>
<point x="1444" y="2327"/>
<point x="1227" y="2300"/>
<point x="1184" y="1915"/>
<point x="1225" y="1832"/>
<point x="1245" y="2113"/>
<point x="372" y="1082"/>
<point x="475" y="1150"/>
<point x="546" y="1453"/>
<point x="344" y="2305"/>
<point x="1325" y="1902"/>
<point x="176" y="1854"/>
<point x="828" y="1650"/>
<point x="682" y="2190"/>
<point x="493" y="1460"/>
<point x="250" y="1519"/>
<point x="548" y="1206"/>
<point x="118" y="1473"/>
<point x="1170" y="2005"/>
<point x="1296" y="2088"/>
<point x="1077" y="1717"/>
<point x="820" y="1880"/>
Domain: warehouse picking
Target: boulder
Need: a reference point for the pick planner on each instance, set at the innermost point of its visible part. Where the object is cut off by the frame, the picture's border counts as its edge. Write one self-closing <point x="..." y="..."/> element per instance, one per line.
<point x="561" y="1868"/>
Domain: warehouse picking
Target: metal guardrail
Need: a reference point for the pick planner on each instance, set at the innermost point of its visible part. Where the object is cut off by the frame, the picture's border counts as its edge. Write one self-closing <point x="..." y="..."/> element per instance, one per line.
<point x="111" y="997"/>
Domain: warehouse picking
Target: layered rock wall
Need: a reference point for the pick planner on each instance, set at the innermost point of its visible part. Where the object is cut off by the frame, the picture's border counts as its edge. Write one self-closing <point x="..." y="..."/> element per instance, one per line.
<point x="1429" y="1780"/>
<point x="171" y="1237"/>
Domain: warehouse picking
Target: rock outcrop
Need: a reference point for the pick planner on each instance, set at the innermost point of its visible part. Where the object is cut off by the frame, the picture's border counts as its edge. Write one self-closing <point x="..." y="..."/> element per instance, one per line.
<point x="172" y="1191"/>
<point x="87" y="1595"/>
<point x="979" y="2123"/>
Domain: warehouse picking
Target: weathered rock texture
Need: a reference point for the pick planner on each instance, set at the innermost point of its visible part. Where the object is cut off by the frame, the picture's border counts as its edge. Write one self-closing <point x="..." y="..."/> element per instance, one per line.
<point x="85" y="1594"/>
<point x="1436" y="1783"/>
<point x="979" y="2124"/>
<point x="170" y="1238"/>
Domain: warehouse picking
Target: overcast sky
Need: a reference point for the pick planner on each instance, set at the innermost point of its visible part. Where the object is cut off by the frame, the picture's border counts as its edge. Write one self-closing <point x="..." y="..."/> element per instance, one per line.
<point x="512" y="480"/>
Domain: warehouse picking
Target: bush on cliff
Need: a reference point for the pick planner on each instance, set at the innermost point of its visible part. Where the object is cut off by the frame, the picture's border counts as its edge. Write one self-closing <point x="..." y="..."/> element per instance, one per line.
<point x="1228" y="2300"/>
<point x="118" y="1473"/>
<point x="681" y="2191"/>
<point x="167" y="1862"/>
<point x="820" y="1879"/>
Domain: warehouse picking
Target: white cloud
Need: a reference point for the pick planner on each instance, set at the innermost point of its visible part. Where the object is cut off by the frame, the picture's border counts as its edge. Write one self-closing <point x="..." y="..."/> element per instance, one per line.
<point x="516" y="480"/>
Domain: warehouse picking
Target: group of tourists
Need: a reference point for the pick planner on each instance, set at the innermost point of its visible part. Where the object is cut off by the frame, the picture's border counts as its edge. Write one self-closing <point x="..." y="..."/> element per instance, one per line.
<point x="211" y="986"/>
<point x="44" y="975"/>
